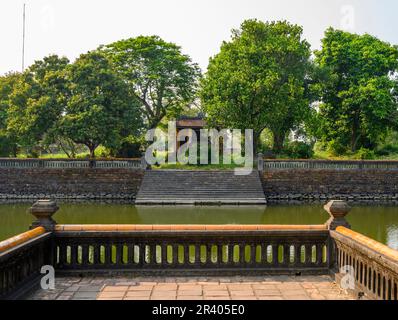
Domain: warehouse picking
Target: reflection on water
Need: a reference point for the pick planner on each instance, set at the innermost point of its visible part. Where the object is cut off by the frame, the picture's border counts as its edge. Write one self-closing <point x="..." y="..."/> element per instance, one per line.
<point x="377" y="222"/>
<point x="392" y="237"/>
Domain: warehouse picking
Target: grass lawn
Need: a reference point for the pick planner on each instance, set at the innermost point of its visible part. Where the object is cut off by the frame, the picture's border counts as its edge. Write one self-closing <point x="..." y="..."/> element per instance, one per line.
<point x="324" y="155"/>
<point x="179" y="166"/>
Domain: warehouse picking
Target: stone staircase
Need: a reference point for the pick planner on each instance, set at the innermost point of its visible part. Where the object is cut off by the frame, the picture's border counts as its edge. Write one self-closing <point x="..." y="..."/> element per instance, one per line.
<point x="161" y="187"/>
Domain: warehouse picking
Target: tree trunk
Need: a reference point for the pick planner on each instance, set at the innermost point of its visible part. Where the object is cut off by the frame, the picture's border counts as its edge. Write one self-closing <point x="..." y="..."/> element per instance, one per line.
<point x="278" y="140"/>
<point x="92" y="151"/>
<point x="256" y="140"/>
<point x="355" y="134"/>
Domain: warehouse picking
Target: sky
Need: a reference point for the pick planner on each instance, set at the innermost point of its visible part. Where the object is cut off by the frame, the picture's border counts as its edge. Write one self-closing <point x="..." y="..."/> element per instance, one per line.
<point x="71" y="27"/>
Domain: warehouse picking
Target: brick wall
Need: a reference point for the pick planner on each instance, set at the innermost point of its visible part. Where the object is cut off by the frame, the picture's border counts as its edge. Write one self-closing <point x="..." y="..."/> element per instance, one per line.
<point x="69" y="183"/>
<point x="310" y="184"/>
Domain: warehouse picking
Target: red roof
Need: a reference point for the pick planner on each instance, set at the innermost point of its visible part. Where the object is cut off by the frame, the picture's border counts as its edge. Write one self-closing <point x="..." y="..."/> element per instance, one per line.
<point x="190" y="123"/>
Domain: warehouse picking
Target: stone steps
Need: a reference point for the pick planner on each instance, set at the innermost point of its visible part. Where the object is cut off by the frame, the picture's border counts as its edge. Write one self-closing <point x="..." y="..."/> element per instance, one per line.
<point x="200" y="187"/>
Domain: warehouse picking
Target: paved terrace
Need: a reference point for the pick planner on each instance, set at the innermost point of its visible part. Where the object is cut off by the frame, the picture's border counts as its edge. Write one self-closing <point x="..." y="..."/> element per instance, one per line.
<point x="194" y="288"/>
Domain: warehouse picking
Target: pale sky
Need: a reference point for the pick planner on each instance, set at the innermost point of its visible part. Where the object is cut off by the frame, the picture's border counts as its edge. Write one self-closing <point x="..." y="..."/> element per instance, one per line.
<point x="72" y="27"/>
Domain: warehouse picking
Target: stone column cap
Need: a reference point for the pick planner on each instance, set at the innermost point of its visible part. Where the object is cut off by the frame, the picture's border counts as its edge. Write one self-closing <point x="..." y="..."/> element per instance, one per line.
<point x="44" y="206"/>
<point x="43" y="210"/>
<point x="337" y="208"/>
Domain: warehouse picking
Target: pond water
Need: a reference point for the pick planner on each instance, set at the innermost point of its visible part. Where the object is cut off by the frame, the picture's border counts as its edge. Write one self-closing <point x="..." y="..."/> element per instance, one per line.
<point x="377" y="222"/>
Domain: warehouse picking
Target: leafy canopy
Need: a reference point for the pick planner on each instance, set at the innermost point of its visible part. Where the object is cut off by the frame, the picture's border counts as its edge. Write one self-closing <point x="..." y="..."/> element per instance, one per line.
<point x="101" y="107"/>
<point x="359" y="98"/>
<point x="8" y="143"/>
<point x="162" y="78"/>
<point x="37" y="101"/>
<point x="258" y="80"/>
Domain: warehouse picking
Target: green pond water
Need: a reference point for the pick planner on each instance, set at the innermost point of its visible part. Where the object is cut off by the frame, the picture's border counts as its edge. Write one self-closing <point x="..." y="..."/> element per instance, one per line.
<point x="377" y="222"/>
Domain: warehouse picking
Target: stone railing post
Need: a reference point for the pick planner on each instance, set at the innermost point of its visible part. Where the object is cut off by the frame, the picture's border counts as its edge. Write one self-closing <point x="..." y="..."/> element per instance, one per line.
<point x="144" y="164"/>
<point x="337" y="210"/>
<point x="43" y="210"/>
<point x="260" y="162"/>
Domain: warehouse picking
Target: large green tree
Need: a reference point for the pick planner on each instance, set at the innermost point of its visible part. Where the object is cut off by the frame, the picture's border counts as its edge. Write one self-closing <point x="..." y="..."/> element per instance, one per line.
<point x="358" y="100"/>
<point x="259" y="79"/>
<point x="37" y="101"/>
<point x="101" y="107"/>
<point x="162" y="78"/>
<point x="8" y="142"/>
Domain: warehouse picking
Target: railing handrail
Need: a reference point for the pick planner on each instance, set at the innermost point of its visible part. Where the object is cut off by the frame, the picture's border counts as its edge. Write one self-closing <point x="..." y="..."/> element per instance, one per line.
<point x="22" y="238"/>
<point x="369" y="243"/>
<point x="381" y="253"/>
<point x="176" y="228"/>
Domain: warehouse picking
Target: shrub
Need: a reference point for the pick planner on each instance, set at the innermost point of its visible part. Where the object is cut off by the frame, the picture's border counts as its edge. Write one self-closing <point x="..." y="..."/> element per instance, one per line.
<point x="387" y="150"/>
<point x="335" y="148"/>
<point x="365" y="154"/>
<point x="129" y="150"/>
<point x="102" y="152"/>
<point x="300" y="150"/>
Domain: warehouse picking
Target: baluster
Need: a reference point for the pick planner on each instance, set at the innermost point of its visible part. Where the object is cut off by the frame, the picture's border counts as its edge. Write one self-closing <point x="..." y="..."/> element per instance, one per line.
<point x="387" y="290"/>
<point x="297" y="254"/>
<point x="153" y="254"/>
<point x="382" y="285"/>
<point x="1" y="282"/>
<point x="275" y="258"/>
<point x="85" y="255"/>
<point x="319" y="254"/>
<point x="253" y="254"/>
<point x="219" y="254"/>
<point x="263" y="253"/>
<point x="6" y="282"/>
<point x="119" y="254"/>
<point x="186" y="254"/>
<point x="108" y="253"/>
<point x="142" y="254"/>
<point x="242" y="256"/>
<point x="97" y="254"/>
<point x="308" y="254"/>
<point x="62" y="254"/>
<point x="197" y="254"/>
<point x="230" y="253"/>
<point x="130" y="253"/>
<point x="286" y="254"/>
<point x="163" y="254"/>
<point x="385" y="285"/>
<point x="175" y="254"/>
<point x="73" y="255"/>
<point x="208" y="254"/>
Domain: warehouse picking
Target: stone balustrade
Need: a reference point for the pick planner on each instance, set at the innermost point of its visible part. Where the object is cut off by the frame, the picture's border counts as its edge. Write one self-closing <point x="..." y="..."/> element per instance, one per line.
<point x="365" y="266"/>
<point x="275" y="165"/>
<point x="137" y="163"/>
<point x="200" y="250"/>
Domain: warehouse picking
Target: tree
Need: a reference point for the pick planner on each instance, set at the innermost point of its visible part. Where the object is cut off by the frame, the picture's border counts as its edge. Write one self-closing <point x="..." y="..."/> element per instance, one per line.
<point x="258" y="80"/>
<point x="8" y="142"/>
<point x="101" y="105"/>
<point x="162" y="78"/>
<point x="358" y="103"/>
<point x="37" y="101"/>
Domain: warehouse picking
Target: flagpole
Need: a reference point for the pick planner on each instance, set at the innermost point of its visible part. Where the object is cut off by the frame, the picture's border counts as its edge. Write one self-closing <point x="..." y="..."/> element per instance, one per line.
<point x="23" y="40"/>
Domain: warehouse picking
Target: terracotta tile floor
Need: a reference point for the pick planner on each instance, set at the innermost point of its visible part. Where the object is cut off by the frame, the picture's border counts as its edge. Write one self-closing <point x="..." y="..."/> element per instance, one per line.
<point x="194" y="288"/>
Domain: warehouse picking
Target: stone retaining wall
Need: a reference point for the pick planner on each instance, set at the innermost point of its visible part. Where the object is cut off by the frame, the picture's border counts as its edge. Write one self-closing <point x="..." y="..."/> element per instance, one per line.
<point x="324" y="184"/>
<point x="123" y="184"/>
<point x="82" y="183"/>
